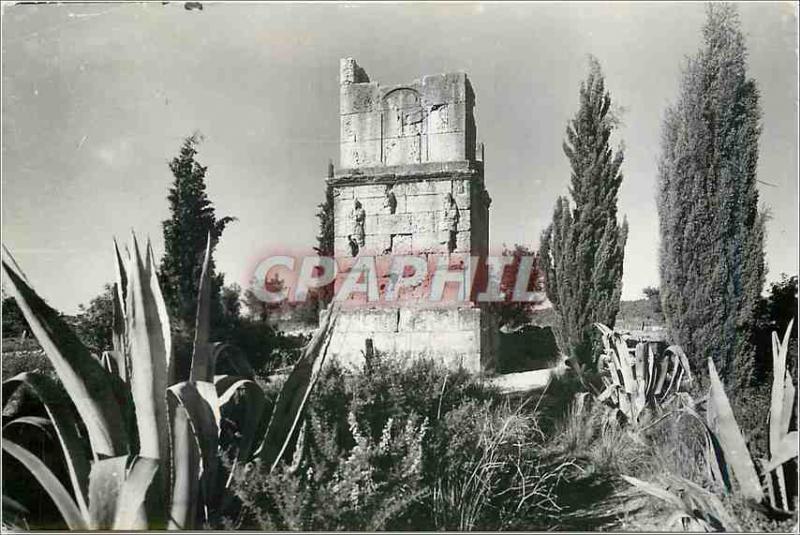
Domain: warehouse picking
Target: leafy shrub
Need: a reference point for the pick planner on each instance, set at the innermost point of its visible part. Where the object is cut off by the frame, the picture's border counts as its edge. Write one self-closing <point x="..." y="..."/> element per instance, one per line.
<point x="405" y="446"/>
<point x="24" y="358"/>
<point x="362" y="489"/>
<point x="14" y="323"/>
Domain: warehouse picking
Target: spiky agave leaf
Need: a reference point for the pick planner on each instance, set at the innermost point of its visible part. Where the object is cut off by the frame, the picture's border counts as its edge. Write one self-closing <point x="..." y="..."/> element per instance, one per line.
<point x="118" y="337"/>
<point x="58" y="493"/>
<point x="130" y="513"/>
<point x="185" y="470"/>
<point x="229" y="390"/>
<point x="76" y="457"/>
<point x="202" y="369"/>
<point x="714" y="455"/>
<point x="83" y="377"/>
<point x="292" y="399"/>
<point x="695" y="505"/>
<point x="148" y="355"/>
<point x="105" y="481"/>
<point x="203" y="430"/>
<point x="731" y="439"/>
<point x="117" y="490"/>
<point x="707" y="503"/>
<point x="683" y="359"/>
<point x="624" y="363"/>
<point x="784" y="451"/>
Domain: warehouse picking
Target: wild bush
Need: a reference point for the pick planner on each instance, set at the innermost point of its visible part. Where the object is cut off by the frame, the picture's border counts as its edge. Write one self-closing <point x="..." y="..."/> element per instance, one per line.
<point x="400" y="445"/>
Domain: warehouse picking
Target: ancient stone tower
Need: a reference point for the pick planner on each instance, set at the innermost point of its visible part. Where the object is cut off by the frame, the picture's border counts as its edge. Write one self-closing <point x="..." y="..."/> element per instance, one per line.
<point x="409" y="183"/>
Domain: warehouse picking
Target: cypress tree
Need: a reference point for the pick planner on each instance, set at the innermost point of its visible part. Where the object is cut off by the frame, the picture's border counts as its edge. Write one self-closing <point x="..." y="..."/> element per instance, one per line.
<point x="712" y="234"/>
<point x="192" y="219"/>
<point x="583" y="248"/>
<point x="325" y="237"/>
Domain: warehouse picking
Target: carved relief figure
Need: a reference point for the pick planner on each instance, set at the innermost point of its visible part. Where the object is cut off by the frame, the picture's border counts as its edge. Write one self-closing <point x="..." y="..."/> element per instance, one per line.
<point x="448" y="227"/>
<point x="358" y="218"/>
<point x="390" y="201"/>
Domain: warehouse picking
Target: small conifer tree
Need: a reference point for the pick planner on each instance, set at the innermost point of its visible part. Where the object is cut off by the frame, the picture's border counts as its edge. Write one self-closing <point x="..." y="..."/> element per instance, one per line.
<point x="192" y="220"/>
<point x="582" y="249"/>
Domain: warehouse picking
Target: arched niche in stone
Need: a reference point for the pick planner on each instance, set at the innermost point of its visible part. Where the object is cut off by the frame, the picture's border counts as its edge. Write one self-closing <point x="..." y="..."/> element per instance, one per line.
<point x="403" y="128"/>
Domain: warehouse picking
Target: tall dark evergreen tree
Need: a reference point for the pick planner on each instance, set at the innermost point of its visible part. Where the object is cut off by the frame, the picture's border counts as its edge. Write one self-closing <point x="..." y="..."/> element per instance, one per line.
<point x="325" y="237"/>
<point x="324" y="245"/>
<point x="192" y="219"/>
<point x="582" y="250"/>
<point x="712" y="234"/>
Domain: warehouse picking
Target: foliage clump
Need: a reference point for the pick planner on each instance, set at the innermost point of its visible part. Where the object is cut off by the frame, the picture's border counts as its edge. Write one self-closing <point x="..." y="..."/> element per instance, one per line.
<point x="405" y="446"/>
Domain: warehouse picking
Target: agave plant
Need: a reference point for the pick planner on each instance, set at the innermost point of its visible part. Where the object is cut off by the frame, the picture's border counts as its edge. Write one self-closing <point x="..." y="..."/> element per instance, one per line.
<point x="693" y="507"/>
<point x="732" y="454"/>
<point x="727" y="454"/>
<point x="145" y="450"/>
<point x="639" y="379"/>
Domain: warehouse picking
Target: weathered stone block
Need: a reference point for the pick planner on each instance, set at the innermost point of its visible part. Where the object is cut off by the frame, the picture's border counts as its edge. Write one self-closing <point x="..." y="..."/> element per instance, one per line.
<point x="402" y="150"/>
<point x="444" y="118"/>
<point x="434" y="203"/>
<point x="393" y="224"/>
<point x="358" y="98"/>
<point x="367" y="191"/>
<point x="424" y="187"/>
<point x="424" y="203"/>
<point x="428" y="242"/>
<point x="454" y="339"/>
<point x="442" y="88"/>
<point x="447" y="147"/>
<point x="342" y="193"/>
<point x="351" y="73"/>
<point x="402" y="244"/>
<point x="369" y="320"/>
<point x="363" y="153"/>
<point x="434" y="320"/>
<point x="360" y="126"/>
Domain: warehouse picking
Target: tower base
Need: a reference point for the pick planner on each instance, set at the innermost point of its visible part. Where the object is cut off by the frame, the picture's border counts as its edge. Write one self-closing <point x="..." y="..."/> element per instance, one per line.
<point x="459" y="336"/>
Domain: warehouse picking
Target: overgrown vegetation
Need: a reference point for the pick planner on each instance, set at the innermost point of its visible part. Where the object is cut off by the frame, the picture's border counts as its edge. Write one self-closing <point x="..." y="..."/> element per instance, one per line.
<point x="408" y="446"/>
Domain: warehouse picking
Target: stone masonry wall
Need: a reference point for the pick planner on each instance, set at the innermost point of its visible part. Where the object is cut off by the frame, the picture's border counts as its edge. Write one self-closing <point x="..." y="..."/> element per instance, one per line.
<point x="462" y="337"/>
<point x="429" y="120"/>
<point x="405" y="151"/>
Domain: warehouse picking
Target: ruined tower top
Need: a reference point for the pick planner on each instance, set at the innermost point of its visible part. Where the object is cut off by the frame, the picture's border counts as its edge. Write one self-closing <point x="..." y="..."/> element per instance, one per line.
<point x="425" y="121"/>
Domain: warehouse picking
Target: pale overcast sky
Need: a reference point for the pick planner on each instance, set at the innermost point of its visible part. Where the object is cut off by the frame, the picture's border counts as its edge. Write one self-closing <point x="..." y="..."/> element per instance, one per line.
<point x="96" y="100"/>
